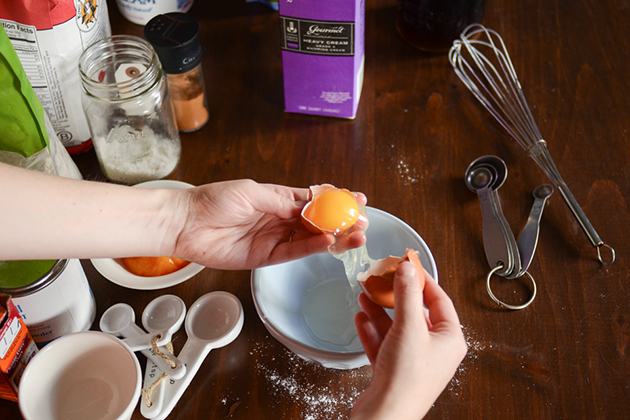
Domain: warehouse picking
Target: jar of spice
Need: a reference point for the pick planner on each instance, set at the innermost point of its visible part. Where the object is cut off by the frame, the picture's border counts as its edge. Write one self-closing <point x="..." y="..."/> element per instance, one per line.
<point x="128" y="107"/>
<point x="175" y="37"/>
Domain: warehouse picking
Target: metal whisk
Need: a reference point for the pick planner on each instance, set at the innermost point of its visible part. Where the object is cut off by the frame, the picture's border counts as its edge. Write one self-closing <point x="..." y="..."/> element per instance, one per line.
<point x="482" y="62"/>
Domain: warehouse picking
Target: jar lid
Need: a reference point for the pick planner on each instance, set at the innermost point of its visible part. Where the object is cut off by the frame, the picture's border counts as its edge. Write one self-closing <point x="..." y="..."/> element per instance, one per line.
<point x="175" y="38"/>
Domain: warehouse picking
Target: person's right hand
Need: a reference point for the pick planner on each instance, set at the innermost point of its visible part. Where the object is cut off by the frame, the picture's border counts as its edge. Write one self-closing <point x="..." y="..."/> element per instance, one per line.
<point x="414" y="356"/>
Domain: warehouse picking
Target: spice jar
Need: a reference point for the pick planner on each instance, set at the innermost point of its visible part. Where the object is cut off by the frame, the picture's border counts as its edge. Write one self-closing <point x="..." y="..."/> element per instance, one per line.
<point x="433" y="25"/>
<point x="175" y="37"/>
<point x="128" y="107"/>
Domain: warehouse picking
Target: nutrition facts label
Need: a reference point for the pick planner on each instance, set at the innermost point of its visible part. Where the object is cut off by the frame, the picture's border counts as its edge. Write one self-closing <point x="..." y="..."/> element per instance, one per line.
<point x="48" y="46"/>
<point x="317" y="37"/>
<point x="38" y="68"/>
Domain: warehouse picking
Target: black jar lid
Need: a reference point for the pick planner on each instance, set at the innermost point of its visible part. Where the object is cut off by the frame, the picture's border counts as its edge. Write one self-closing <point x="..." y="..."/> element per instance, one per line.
<point x="175" y="38"/>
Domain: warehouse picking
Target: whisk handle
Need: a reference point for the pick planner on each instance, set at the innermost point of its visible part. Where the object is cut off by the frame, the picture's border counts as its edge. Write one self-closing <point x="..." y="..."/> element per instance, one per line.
<point x="580" y="215"/>
<point x="585" y="223"/>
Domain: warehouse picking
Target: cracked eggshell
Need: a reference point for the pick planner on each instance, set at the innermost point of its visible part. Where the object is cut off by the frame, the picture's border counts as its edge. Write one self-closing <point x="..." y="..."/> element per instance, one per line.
<point x="378" y="281"/>
<point x="338" y="214"/>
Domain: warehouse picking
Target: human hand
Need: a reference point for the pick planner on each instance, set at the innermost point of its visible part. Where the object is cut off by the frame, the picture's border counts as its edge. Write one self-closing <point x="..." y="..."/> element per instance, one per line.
<point x="414" y="356"/>
<point x="242" y="224"/>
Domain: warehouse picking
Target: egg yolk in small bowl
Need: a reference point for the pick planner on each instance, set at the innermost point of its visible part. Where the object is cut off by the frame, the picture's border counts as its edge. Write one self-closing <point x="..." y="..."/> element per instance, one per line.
<point x="153" y="266"/>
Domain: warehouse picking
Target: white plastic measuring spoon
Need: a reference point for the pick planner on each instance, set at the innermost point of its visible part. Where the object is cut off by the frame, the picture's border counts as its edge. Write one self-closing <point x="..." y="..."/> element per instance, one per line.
<point x="213" y="321"/>
<point x="166" y="312"/>
<point x="119" y="320"/>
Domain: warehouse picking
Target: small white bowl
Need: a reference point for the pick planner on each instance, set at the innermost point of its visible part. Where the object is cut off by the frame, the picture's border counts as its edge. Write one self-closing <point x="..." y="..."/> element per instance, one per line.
<point x="85" y="375"/>
<point x="279" y="290"/>
<point x="116" y="273"/>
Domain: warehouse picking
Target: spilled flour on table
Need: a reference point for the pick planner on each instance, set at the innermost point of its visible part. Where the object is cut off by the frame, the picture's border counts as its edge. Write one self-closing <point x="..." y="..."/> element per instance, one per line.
<point x="331" y="402"/>
<point x="407" y="174"/>
<point x="474" y="348"/>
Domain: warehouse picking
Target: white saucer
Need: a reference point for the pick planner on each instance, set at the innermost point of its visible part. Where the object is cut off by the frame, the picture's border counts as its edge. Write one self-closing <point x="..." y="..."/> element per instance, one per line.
<point x="114" y="272"/>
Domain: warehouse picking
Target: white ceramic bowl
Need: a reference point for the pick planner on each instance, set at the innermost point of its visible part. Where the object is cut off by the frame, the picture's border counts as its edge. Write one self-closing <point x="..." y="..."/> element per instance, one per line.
<point x="116" y="273"/>
<point x="85" y="375"/>
<point x="279" y="290"/>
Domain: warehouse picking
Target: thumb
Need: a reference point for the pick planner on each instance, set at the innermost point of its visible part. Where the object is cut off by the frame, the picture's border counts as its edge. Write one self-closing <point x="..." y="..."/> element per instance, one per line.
<point x="408" y="296"/>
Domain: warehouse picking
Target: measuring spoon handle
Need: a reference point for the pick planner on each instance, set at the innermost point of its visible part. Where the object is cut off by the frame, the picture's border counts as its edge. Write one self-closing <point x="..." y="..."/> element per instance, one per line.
<point x="192" y="355"/>
<point x="528" y="238"/>
<point x="152" y="373"/>
<point x="494" y="241"/>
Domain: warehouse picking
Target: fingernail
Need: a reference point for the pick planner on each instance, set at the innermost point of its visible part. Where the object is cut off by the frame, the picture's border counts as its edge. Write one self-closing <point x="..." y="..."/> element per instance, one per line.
<point x="406" y="268"/>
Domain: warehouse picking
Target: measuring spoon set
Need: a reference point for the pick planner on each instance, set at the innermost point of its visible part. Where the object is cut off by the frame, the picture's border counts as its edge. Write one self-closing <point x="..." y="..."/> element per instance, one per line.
<point x="214" y="321"/>
<point x="508" y="257"/>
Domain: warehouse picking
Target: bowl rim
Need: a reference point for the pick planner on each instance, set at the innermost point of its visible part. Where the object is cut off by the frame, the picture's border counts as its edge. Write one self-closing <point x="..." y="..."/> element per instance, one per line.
<point x="113" y="271"/>
<point x="95" y="337"/>
<point x="333" y="354"/>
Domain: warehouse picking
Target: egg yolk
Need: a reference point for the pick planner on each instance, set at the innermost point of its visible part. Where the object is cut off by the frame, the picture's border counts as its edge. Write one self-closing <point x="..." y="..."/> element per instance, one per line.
<point x="333" y="210"/>
<point x="153" y="266"/>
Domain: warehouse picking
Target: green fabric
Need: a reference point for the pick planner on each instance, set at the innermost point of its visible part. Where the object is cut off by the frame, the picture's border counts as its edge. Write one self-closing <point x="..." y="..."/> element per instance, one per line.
<point x="22" y="124"/>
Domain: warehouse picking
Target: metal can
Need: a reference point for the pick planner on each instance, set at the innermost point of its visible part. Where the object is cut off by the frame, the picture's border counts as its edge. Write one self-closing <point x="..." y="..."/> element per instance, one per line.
<point x="59" y="302"/>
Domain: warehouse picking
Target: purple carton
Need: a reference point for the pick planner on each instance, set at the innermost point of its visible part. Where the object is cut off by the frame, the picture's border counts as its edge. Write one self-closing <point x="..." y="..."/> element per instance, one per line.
<point x="322" y="55"/>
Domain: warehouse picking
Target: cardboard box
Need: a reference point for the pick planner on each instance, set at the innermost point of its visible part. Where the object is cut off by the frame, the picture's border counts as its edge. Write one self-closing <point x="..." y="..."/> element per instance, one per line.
<point x="17" y="348"/>
<point x="322" y="55"/>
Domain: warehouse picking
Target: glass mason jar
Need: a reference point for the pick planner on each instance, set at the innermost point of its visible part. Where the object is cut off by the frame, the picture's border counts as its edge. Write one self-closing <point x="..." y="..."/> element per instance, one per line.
<point x="128" y="109"/>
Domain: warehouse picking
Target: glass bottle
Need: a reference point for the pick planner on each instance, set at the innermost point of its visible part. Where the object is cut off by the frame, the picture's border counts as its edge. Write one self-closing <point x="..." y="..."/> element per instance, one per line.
<point x="433" y="25"/>
<point x="175" y="37"/>
<point x="129" y="111"/>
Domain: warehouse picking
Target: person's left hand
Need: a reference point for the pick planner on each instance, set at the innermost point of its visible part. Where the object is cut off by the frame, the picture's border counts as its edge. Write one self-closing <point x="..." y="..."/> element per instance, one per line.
<point x="242" y="225"/>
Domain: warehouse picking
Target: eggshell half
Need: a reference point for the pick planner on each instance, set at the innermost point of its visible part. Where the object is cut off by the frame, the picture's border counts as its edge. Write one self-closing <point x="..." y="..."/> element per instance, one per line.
<point x="378" y="281"/>
<point x="314" y="191"/>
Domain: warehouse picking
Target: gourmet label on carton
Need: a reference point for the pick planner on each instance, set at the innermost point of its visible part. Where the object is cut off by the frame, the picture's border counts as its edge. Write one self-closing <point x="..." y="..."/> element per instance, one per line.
<point x="17" y="348"/>
<point x="322" y="55"/>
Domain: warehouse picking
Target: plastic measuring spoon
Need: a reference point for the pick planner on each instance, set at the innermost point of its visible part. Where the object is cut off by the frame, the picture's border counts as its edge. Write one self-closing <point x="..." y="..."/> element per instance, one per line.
<point x="213" y="321"/>
<point x="119" y="320"/>
<point x="166" y="312"/>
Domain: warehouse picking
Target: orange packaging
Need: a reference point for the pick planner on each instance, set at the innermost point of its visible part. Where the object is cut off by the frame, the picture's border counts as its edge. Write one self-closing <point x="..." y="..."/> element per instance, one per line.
<point x="17" y="348"/>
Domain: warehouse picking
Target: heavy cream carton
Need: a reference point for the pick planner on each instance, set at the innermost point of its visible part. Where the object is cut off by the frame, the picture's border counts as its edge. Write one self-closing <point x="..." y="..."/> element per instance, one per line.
<point x="322" y="55"/>
<point x="17" y="348"/>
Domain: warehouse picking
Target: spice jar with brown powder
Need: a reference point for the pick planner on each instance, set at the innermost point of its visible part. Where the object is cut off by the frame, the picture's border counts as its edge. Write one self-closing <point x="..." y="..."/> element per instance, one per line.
<point x="175" y="38"/>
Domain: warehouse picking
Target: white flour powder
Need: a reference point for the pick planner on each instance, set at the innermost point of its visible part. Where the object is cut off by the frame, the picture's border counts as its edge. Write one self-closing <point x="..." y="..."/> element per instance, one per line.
<point x="132" y="156"/>
<point x="316" y="402"/>
<point x="474" y="348"/>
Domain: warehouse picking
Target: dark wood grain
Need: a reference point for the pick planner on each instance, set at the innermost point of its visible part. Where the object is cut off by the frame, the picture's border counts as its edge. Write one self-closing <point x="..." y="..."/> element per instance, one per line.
<point x="416" y="131"/>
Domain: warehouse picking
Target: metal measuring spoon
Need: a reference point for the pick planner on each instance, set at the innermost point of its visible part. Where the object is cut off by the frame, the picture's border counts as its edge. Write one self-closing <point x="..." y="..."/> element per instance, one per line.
<point x="499" y="168"/>
<point x="528" y="238"/>
<point x="480" y="180"/>
<point x="498" y="180"/>
<point x="214" y="320"/>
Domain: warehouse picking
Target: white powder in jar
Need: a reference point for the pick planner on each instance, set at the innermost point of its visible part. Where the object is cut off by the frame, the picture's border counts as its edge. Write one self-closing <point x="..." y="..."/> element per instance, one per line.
<point x="131" y="156"/>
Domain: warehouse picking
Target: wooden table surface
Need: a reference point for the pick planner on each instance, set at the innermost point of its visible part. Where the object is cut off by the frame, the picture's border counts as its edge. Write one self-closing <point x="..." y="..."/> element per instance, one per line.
<point x="417" y="130"/>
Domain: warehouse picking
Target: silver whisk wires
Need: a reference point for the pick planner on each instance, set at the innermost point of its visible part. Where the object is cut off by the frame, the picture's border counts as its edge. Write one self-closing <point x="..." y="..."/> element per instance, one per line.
<point x="481" y="60"/>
